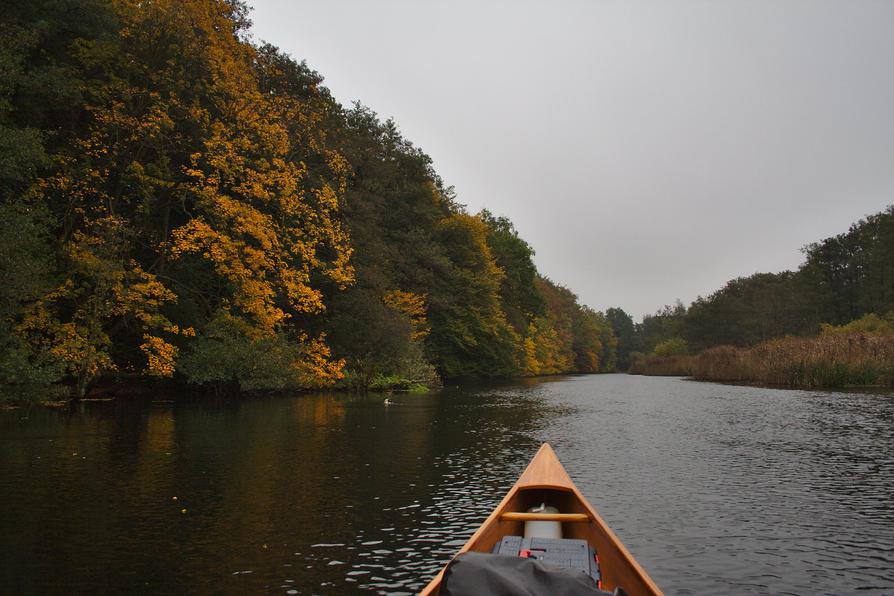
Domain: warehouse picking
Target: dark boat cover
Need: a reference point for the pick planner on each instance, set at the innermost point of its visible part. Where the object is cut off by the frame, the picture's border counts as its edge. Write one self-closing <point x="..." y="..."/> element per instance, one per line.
<point x="484" y="574"/>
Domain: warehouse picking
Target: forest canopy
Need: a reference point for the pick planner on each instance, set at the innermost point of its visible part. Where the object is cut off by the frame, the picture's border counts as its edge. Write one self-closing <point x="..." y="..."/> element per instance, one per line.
<point x="182" y="204"/>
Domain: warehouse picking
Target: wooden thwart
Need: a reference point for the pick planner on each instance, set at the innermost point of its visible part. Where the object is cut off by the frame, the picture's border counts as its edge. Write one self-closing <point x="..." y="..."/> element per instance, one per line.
<point x="559" y="517"/>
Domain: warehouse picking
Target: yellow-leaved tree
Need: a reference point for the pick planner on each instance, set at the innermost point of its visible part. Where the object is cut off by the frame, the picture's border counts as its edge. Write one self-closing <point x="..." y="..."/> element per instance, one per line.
<point x="199" y="209"/>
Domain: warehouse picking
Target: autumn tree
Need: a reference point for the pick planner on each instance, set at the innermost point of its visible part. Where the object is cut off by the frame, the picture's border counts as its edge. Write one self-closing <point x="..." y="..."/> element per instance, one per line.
<point x="470" y="334"/>
<point x="622" y="326"/>
<point x="44" y="79"/>
<point x="198" y="189"/>
<point x="180" y="203"/>
<point x="520" y="299"/>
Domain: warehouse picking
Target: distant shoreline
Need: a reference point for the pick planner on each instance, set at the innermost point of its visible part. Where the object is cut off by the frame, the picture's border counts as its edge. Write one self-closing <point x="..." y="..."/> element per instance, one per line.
<point x="827" y="361"/>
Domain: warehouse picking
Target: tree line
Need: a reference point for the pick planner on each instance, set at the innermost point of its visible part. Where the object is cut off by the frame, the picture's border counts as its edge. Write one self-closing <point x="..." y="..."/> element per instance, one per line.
<point x="844" y="286"/>
<point x="180" y="203"/>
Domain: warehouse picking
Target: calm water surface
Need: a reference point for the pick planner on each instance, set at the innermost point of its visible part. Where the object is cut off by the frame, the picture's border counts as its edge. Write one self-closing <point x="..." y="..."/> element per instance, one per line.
<point x="715" y="489"/>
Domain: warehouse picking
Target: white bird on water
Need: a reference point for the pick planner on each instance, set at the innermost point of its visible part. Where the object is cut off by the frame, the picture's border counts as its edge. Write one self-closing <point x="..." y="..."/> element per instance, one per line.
<point x="388" y="402"/>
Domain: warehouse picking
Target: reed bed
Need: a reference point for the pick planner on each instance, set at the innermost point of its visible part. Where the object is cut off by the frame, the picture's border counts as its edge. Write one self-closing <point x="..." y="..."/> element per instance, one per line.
<point x="832" y="360"/>
<point x="828" y="360"/>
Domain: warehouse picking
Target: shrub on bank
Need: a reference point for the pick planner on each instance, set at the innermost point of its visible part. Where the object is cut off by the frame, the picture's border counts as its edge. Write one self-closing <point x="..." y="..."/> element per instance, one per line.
<point x="670" y="366"/>
<point x="669" y="358"/>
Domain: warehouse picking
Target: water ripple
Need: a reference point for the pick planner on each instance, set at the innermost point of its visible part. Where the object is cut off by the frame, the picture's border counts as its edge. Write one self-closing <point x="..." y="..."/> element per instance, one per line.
<point x="715" y="489"/>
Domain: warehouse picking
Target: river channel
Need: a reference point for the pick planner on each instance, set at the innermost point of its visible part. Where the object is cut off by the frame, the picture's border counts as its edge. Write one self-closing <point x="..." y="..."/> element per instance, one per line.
<point x="715" y="489"/>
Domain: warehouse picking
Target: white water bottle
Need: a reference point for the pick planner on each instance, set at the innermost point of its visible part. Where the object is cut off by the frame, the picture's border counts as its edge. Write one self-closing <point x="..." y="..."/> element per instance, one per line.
<point x="543" y="529"/>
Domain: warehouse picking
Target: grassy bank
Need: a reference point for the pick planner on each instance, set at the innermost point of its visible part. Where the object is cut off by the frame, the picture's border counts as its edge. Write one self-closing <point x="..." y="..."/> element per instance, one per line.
<point x="829" y="360"/>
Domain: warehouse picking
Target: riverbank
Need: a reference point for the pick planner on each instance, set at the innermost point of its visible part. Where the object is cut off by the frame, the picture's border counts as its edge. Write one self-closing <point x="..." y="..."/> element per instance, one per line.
<point x="824" y="361"/>
<point x="143" y="388"/>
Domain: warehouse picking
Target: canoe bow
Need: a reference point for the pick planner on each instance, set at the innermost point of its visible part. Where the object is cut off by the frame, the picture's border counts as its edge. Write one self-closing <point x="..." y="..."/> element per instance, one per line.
<point x="545" y="480"/>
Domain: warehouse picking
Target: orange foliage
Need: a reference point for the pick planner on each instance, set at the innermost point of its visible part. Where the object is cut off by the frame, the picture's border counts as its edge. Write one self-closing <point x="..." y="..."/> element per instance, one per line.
<point x="160" y="355"/>
<point x="413" y="306"/>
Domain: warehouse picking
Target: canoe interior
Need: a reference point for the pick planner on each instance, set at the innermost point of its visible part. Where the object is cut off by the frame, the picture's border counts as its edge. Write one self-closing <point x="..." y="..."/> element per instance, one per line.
<point x="546" y="481"/>
<point x="614" y="565"/>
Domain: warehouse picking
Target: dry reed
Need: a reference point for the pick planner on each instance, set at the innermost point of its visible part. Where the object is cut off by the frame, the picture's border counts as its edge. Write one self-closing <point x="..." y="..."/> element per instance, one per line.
<point x="828" y="360"/>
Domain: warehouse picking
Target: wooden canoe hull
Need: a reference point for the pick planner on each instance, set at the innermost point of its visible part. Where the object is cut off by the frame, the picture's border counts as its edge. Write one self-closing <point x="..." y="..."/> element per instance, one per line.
<point x="546" y="481"/>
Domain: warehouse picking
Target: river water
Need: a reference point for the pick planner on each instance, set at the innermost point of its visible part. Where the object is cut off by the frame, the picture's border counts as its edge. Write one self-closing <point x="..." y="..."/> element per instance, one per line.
<point x="715" y="489"/>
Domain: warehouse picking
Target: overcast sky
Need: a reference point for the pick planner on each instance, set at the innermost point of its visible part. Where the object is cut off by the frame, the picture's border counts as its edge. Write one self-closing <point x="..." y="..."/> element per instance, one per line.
<point x="648" y="151"/>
